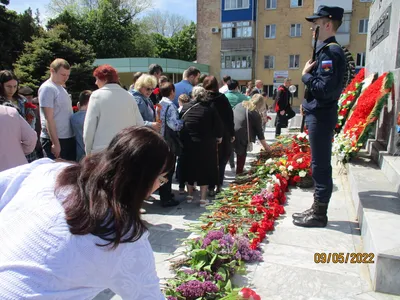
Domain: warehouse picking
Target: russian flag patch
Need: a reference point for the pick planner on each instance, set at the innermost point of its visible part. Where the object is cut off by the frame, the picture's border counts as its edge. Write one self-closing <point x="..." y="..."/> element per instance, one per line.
<point x="326" y="65"/>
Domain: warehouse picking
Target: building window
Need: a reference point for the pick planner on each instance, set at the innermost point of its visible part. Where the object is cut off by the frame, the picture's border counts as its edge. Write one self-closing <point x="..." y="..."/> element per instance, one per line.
<point x="270" y="31"/>
<point x="269" y="89"/>
<point x="360" y="60"/>
<point x="237" y="30"/>
<point x="269" y="62"/>
<point x="270" y="4"/>
<point x="294" y="61"/>
<point x="345" y="27"/>
<point x="363" y="26"/>
<point x="235" y="61"/>
<point x="237" y="4"/>
<point x="295" y="30"/>
<point x="296" y="3"/>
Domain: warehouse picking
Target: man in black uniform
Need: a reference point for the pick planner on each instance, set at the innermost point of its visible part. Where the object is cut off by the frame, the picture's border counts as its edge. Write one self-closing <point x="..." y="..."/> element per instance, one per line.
<point x="281" y="104"/>
<point x="324" y="81"/>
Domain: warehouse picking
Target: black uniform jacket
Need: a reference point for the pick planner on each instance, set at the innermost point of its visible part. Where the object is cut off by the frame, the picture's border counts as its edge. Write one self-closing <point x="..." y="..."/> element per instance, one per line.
<point x="325" y="81"/>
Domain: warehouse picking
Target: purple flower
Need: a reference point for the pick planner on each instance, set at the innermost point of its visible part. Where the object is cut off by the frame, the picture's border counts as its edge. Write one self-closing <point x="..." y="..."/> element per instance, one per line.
<point x="189" y="271"/>
<point x="171" y="298"/>
<point x="191" y="289"/>
<point x="212" y="236"/>
<point x="195" y="288"/>
<point x="246" y="253"/>
<point x="206" y="242"/>
<point x="204" y="274"/>
<point x="210" y="287"/>
<point x="215" y="235"/>
<point x="218" y="277"/>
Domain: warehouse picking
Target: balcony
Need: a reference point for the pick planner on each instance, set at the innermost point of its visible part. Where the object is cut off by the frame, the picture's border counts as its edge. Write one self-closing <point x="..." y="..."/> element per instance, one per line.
<point x="237" y="74"/>
<point x="237" y="44"/>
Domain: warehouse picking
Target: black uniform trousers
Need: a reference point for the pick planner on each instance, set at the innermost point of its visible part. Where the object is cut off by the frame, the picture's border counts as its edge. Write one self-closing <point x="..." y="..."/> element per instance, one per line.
<point x="321" y="125"/>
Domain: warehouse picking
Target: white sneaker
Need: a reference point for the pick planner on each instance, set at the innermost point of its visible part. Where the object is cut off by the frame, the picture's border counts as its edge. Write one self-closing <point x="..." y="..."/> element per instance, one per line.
<point x="204" y="203"/>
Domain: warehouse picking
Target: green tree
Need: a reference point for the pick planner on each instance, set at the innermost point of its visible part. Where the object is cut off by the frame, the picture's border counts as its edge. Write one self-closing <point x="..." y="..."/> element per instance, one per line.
<point x="181" y="45"/>
<point x="163" y="46"/>
<point x="109" y="29"/>
<point x="134" y="7"/>
<point x="184" y="43"/>
<point x="16" y="29"/>
<point x="32" y="68"/>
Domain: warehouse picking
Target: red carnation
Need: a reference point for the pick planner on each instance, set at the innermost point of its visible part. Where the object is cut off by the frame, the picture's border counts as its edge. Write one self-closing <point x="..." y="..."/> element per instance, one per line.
<point x="156" y="91"/>
<point x="297" y="178"/>
<point x="30" y="105"/>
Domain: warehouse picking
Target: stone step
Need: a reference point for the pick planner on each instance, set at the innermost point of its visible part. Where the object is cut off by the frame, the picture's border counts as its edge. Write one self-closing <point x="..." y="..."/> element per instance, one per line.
<point x="377" y="203"/>
<point x="390" y="166"/>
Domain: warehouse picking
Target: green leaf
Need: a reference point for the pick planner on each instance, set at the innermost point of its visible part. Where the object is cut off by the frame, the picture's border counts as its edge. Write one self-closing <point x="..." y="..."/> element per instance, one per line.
<point x="222" y="272"/>
<point x="228" y="286"/>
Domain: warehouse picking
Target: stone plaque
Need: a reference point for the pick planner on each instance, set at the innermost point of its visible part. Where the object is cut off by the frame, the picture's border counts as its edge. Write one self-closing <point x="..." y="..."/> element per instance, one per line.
<point x="380" y="30"/>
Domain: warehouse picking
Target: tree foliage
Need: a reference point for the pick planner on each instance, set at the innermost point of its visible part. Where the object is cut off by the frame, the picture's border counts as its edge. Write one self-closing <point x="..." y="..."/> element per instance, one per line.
<point x="16" y="29"/>
<point x="181" y="45"/>
<point x="32" y="68"/>
<point x="184" y="43"/>
<point x="134" y="7"/>
<point x="109" y="29"/>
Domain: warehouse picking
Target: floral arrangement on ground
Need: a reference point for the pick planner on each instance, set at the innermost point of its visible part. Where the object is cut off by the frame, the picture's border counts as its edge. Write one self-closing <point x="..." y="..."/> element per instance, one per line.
<point x="364" y="115"/>
<point x="229" y="234"/>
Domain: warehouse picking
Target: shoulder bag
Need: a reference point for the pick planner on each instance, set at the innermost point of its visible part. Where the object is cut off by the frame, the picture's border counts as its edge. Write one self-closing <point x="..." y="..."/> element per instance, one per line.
<point x="172" y="137"/>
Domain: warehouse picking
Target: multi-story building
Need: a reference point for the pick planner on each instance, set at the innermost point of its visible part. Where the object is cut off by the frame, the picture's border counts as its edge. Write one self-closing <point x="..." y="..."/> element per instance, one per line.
<point x="270" y="39"/>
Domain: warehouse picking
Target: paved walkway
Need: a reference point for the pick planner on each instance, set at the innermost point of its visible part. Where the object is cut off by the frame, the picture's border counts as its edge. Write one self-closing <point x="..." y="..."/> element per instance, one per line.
<point x="288" y="270"/>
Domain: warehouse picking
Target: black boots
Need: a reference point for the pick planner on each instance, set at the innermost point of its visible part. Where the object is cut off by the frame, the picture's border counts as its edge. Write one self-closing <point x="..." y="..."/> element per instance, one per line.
<point x="313" y="217"/>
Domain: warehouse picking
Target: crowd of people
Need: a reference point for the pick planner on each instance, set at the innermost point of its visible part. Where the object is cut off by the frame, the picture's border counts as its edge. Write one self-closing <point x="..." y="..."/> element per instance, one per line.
<point x="202" y="122"/>
<point x="99" y="164"/>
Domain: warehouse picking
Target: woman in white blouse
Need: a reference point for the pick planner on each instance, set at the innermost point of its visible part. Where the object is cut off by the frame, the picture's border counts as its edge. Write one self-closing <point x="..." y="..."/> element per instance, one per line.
<point x="69" y="230"/>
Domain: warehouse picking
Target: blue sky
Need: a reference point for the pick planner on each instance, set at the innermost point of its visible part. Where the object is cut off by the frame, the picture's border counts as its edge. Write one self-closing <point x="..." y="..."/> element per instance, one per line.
<point x="185" y="8"/>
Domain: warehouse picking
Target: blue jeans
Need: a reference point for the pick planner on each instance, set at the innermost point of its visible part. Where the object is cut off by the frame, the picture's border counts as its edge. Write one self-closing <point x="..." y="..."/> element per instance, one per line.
<point x="321" y="127"/>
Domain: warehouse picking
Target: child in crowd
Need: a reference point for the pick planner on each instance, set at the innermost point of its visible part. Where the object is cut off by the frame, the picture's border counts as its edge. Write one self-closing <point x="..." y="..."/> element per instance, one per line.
<point x="182" y="99"/>
<point x="77" y="120"/>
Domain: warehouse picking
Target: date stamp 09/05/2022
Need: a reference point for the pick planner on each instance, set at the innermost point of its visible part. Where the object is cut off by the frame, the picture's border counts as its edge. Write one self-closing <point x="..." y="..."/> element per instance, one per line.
<point x="344" y="258"/>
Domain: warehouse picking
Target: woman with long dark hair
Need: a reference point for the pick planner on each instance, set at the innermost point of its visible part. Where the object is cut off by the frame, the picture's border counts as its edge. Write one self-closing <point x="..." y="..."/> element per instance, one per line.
<point x="9" y="97"/>
<point x="70" y="230"/>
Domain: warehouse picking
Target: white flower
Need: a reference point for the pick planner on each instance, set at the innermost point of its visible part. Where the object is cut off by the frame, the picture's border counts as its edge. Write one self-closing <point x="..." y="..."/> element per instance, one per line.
<point x="269" y="161"/>
<point x="276" y="179"/>
<point x="271" y="171"/>
<point x="282" y="168"/>
<point x="299" y="161"/>
<point x="290" y="168"/>
<point x="302" y="173"/>
<point x="270" y="187"/>
<point x="302" y="135"/>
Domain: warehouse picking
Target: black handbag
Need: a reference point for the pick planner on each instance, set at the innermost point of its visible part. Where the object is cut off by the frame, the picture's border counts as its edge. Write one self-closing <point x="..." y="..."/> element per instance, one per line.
<point x="172" y="137"/>
<point x="290" y="113"/>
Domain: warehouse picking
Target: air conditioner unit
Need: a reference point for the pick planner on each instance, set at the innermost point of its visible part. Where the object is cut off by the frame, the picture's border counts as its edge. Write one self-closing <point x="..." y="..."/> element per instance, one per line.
<point x="214" y="30"/>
